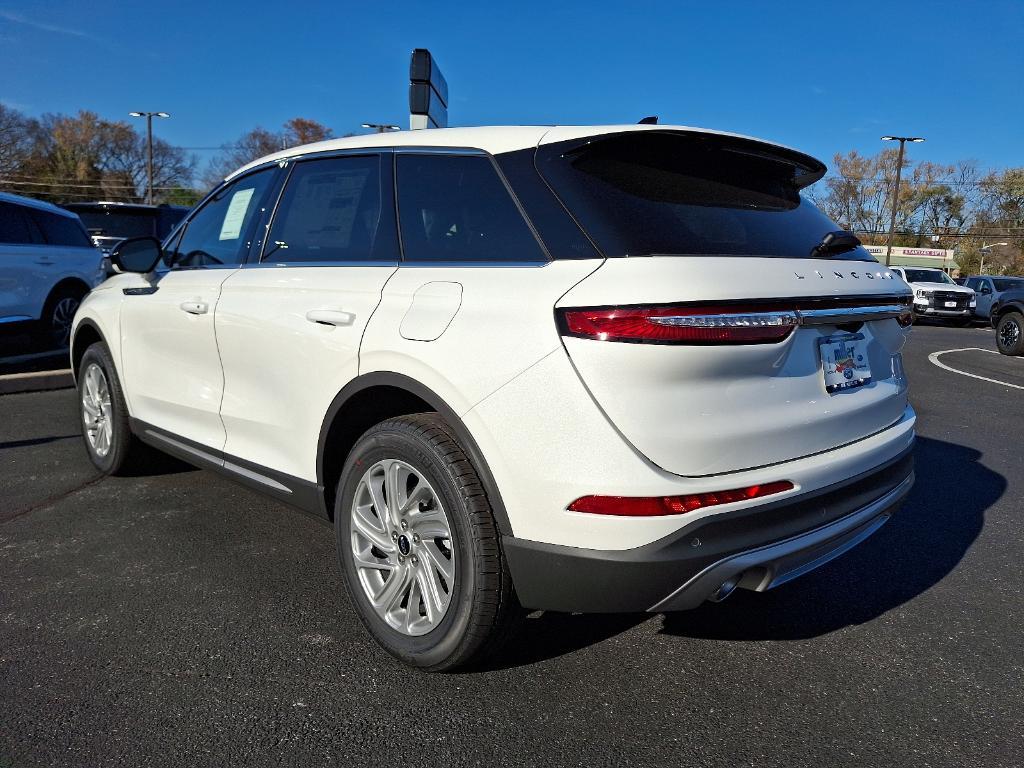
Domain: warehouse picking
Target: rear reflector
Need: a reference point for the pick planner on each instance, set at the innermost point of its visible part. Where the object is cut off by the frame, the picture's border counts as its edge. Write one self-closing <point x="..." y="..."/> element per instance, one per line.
<point x="653" y="506"/>
<point x="682" y="325"/>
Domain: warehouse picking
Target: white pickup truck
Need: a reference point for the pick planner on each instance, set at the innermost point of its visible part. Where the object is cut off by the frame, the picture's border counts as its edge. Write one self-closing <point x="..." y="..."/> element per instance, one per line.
<point x="937" y="296"/>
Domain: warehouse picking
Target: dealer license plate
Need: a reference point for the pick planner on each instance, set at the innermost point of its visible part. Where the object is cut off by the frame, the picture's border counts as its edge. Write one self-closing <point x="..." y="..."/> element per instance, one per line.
<point x="844" y="361"/>
<point x="950" y="303"/>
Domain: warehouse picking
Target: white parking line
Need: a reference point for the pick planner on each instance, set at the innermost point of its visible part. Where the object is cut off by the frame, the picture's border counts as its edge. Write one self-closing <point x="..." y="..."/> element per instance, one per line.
<point x="934" y="358"/>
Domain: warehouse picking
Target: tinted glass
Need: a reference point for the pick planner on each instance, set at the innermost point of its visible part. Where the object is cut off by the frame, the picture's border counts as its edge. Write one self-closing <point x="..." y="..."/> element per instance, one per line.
<point x="114" y="223"/>
<point x="61" y="230"/>
<point x="456" y="208"/>
<point x="220" y="231"/>
<point x="643" y="193"/>
<point x="330" y="211"/>
<point x="927" y="276"/>
<point x="1009" y="284"/>
<point x="14" y="225"/>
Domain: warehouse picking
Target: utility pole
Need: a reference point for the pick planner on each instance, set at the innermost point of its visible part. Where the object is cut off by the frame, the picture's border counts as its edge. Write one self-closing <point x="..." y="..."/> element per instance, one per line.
<point x="896" y="188"/>
<point x="149" y="149"/>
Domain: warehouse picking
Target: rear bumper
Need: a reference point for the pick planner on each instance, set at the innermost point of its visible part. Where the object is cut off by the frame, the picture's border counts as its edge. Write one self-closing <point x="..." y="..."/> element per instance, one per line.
<point x="756" y="548"/>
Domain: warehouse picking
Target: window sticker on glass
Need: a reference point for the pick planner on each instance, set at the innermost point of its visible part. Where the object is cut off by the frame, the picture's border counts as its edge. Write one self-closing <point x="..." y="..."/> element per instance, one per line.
<point x="232" y="226"/>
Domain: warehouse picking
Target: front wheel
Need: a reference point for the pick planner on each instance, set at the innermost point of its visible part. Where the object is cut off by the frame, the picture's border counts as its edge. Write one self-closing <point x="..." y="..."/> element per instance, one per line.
<point x="419" y="547"/>
<point x="112" y="447"/>
<point x="1010" y="334"/>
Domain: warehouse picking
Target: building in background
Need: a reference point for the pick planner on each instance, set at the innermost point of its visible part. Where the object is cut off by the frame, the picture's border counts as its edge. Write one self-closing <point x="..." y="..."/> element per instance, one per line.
<point x="940" y="258"/>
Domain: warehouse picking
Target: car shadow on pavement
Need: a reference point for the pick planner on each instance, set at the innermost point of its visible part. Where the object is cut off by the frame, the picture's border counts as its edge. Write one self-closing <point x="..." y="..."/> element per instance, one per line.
<point x="923" y="542"/>
<point x="914" y="551"/>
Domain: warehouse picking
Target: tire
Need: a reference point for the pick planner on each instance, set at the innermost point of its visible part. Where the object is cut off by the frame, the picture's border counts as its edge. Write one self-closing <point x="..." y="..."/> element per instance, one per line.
<point x="103" y="411"/>
<point x="54" y="329"/>
<point x="1010" y="334"/>
<point x="473" y="606"/>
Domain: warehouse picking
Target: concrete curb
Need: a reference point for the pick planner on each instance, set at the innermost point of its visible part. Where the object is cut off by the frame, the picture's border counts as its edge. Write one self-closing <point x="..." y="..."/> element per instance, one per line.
<point x="39" y="381"/>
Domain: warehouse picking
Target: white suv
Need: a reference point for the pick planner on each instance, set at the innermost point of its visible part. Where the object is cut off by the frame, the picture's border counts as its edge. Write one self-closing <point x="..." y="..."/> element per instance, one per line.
<point x="47" y="264"/>
<point x="621" y="368"/>
<point x="937" y="295"/>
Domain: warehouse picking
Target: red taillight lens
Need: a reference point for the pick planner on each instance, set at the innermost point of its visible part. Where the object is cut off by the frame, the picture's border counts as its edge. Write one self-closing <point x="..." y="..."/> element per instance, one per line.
<point x="682" y="325"/>
<point x="652" y="506"/>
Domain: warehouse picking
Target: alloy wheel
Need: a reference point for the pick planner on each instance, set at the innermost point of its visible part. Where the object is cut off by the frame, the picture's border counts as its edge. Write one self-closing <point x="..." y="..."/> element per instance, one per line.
<point x="1009" y="333"/>
<point x="402" y="549"/>
<point x="97" y="414"/>
<point x="60" y="322"/>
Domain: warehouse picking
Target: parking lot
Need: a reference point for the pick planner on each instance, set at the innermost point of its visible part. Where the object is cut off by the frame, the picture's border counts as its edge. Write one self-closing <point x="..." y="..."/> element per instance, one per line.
<point x="178" y="619"/>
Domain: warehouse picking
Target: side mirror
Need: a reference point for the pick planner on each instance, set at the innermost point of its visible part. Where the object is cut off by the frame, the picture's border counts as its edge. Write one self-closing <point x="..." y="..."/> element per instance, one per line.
<point x="985" y="289"/>
<point x="137" y="254"/>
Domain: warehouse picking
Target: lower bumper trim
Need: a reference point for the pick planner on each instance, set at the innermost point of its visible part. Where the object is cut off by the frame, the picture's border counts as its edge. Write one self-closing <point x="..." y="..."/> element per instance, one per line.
<point x="767" y="567"/>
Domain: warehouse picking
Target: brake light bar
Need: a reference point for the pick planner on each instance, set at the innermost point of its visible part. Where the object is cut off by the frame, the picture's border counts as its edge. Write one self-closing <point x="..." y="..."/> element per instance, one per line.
<point x="732" y="324"/>
<point x="655" y="506"/>
<point x="682" y="325"/>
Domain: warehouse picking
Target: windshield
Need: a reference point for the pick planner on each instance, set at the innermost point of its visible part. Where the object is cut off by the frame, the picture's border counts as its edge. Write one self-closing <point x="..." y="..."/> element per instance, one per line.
<point x="119" y="223"/>
<point x="928" y="276"/>
<point x="648" y="192"/>
<point x="1009" y="284"/>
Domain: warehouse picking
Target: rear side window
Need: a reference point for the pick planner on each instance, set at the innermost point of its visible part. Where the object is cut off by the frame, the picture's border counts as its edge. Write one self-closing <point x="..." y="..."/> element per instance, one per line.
<point x="330" y="211"/>
<point x="644" y="193"/>
<point x="456" y="208"/>
<point x="220" y="231"/>
<point x="15" y="226"/>
<point x="61" y="230"/>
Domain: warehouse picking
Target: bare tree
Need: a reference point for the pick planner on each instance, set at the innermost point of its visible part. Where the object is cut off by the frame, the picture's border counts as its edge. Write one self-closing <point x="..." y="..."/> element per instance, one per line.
<point x="260" y="142"/>
<point x="15" y="140"/>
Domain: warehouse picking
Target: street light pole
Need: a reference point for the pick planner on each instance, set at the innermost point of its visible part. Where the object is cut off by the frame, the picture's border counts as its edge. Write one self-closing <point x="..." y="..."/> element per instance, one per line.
<point x="981" y="267"/>
<point x="149" y="149"/>
<point x="896" y="188"/>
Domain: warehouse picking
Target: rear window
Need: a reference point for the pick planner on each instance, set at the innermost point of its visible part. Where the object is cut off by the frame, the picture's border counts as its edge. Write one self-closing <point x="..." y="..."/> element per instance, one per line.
<point x="644" y="193"/>
<point x="108" y="223"/>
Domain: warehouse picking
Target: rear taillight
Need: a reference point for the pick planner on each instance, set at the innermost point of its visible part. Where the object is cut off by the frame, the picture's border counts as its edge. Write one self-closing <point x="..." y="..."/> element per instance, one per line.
<point x="652" y="506"/>
<point x="682" y="325"/>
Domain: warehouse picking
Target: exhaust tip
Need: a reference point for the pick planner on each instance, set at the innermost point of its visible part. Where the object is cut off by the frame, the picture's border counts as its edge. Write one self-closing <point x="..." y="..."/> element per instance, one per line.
<point x="725" y="589"/>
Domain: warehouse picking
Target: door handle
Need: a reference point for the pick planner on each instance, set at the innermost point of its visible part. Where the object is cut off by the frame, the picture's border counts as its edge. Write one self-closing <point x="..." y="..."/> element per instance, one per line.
<point x="44" y="262"/>
<point x="330" y="317"/>
<point x="195" y="307"/>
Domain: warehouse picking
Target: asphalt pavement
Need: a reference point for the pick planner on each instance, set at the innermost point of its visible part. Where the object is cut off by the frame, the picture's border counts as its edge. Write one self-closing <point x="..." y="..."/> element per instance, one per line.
<point x="177" y="619"/>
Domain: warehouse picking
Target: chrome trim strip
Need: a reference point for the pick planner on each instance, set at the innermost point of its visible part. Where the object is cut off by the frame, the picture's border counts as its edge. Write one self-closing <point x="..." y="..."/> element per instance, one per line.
<point x="834" y="316"/>
<point x="216" y="460"/>
<point x="840" y="315"/>
<point x="708" y="580"/>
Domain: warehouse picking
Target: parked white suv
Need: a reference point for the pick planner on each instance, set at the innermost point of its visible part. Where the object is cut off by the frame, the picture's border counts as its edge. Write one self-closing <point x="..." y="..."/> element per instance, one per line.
<point x="47" y="264"/>
<point x="937" y="295"/>
<point x="621" y="368"/>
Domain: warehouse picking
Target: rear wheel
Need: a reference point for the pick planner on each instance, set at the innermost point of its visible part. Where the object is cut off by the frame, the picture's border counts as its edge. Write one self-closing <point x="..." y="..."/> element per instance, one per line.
<point x="419" y="547"/>
<point x="1010" y="334"/>
<point x="58" y="313"/>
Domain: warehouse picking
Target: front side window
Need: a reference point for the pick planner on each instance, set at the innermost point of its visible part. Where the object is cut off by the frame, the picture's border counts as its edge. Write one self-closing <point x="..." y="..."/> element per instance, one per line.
<point x="643" y="193"/>
<point x="221" y="231"/>
<point x="61" y="230"/>
<point x="330" y="212"/>
<point x="456" y="208"/>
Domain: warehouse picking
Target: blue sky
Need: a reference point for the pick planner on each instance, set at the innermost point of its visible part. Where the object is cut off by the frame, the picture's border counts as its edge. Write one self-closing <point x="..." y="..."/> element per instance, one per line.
<point x="824" y="77"/>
